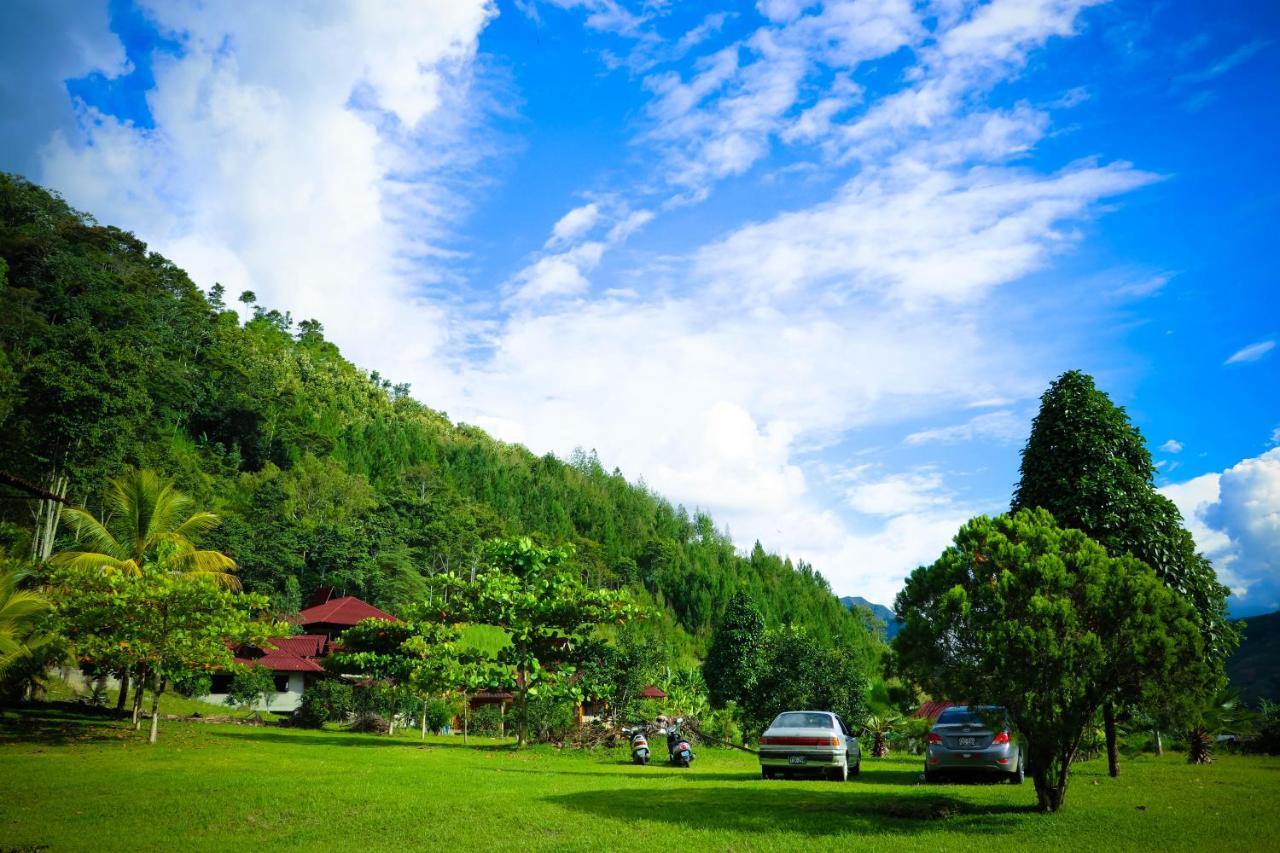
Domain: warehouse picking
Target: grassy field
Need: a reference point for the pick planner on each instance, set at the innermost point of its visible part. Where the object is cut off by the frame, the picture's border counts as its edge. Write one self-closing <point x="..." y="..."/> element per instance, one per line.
<point x="76" y="782"/>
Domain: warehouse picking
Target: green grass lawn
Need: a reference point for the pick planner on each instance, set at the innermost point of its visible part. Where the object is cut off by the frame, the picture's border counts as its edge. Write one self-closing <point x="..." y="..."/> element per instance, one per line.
<point x="76" y="782"/>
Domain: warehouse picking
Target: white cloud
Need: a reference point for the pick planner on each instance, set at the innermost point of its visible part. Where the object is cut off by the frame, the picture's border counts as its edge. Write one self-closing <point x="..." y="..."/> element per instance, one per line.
<point x="309" y="174"/>
<point x="1235" y="519"/>
<point x="1003" y="426"/>
<point x="1252" y="352"/>
<point x="574" y="224"/>
<point x="1171" y="446"/>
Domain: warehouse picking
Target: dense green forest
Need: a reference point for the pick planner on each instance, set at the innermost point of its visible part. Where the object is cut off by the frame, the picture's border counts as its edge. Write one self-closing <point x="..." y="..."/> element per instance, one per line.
<point x="325" y="474"/>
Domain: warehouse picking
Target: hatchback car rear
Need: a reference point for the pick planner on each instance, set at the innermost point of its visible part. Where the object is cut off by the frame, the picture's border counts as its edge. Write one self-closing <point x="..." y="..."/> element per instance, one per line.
<point x="974" y="739"/>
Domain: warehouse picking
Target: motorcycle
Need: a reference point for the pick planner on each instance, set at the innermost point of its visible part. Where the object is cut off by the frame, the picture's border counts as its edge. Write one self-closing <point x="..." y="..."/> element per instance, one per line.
<point x="639" y="747"/>
<point x="678" y="749"/>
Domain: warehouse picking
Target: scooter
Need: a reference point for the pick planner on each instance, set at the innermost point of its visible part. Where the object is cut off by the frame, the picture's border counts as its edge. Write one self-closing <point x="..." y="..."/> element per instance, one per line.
<point x="639" y="747"/>
<point x="678" y="749"/>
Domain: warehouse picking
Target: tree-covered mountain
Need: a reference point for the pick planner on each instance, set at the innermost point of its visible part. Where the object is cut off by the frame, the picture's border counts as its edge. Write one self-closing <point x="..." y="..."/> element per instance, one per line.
<point x="324" y="474"/>
<point x="1254" y="668"/>
<point x="882" y="614"/>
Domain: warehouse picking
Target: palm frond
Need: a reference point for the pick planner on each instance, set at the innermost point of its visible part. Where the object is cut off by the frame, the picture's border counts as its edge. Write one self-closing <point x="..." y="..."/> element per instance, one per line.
<point x="94" y="533"/>
<point x="90" y="560"/>
<point x="197" y="525"/>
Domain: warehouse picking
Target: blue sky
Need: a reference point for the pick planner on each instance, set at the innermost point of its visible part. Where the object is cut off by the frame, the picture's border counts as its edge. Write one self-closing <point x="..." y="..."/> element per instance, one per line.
<point x="806" y="265"/>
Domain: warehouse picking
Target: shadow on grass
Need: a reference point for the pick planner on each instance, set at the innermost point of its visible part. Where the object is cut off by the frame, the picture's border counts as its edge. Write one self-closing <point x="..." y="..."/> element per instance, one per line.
<point x="770" y="808"/>
<point x="61" y="723"/>
<point x="303" y="737"/>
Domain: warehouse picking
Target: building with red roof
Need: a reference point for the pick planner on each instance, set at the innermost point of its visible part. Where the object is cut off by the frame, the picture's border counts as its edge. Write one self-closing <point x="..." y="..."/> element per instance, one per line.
<point x="297" y="662"/>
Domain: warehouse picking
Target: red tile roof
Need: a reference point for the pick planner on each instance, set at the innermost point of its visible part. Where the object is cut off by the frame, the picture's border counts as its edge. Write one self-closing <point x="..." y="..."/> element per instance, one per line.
<point x="304" y="645"/>
<point x="652" y="692"/>
<point x="278" y="661"/>
<point x="347" y="610"/>
<point x="931" y="710"/>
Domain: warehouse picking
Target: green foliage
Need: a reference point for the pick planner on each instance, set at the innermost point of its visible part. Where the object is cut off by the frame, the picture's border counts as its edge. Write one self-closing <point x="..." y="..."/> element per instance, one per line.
<point x="1023" y="614"/>
<point x="251" y="685"/>
<point x="736" y="660"/>
<point x="22" y="614"/>
<point x="155" y="621"/>
<point x="1267" y="739"/>
<point x="324" y="701"/>
<point x="551" y="719"/>
<point x="620" y="672"/>
<point x="193" y="684"/>
<point x="438" y="715"/>
<point x="1090" y="468"/>
<point x="321" y="473"/>
<point x="549" y="614"/>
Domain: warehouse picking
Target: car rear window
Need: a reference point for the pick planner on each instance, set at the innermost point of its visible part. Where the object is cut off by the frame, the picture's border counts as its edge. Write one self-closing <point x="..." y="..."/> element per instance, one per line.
<point x="800" y="720"/>
<point x="964" y="715"/>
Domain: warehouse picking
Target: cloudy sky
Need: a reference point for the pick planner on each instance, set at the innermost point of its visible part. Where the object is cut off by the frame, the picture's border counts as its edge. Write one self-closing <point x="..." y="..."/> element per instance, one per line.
<point x="805" y="265"/>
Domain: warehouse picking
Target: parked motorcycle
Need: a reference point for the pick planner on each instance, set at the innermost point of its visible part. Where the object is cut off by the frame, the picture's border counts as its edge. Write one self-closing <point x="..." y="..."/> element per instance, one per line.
<point x="678" y="750"/>
<point x="639" y="747"/>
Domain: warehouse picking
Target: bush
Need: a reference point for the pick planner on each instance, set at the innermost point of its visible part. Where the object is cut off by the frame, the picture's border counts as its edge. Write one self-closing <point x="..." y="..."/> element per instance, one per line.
<point x="486" y="720"/>
<point x="323" y="702"/>
<point x="249" y="686"/>
<point x="438" y="715"/>
<point x="1267" y="740"/>
<point x="551" y="720"/>
<point x="721" y="725"/>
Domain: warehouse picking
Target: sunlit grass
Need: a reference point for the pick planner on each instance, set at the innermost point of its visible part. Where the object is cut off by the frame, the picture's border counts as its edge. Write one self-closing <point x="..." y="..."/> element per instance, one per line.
<point x="76" y="783"/>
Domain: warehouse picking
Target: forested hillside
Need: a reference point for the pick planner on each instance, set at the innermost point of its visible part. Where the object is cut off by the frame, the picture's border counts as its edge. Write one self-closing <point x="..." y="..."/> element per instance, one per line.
<point x="325" y="474"/>
<point x="1254" y="668"/>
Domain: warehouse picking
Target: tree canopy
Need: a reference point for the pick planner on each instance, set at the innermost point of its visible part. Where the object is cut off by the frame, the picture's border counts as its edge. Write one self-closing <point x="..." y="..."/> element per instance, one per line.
<point x="1024" y="614"/>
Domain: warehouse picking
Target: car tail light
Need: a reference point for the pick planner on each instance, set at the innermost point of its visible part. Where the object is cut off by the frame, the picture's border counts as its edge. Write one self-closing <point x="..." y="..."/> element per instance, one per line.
<point x="835" y="741"/>
<point x="1003" y="737"/>
<point x="934" y="737"/>
<point x="764" y="741"/>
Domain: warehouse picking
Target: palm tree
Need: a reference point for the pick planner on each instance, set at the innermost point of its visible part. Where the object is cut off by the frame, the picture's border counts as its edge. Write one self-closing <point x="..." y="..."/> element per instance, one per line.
<point x="879" y="726"/>
<point x="1224" y="713"/>
<point x="20" y="611"/>
<point x="148" y="521"/>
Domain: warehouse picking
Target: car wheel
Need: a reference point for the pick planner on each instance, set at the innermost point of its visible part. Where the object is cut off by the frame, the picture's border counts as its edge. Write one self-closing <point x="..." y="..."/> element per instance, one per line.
<point x="855" y="769"/>
<point x="766" y="773"/>
<point x="1017" y="776"/>
<point x="839" y="774"/>
<point x="929" y="776"/>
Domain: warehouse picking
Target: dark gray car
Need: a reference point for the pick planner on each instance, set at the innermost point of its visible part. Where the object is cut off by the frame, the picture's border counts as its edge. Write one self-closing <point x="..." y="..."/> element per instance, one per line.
<point x="974" y="738"/>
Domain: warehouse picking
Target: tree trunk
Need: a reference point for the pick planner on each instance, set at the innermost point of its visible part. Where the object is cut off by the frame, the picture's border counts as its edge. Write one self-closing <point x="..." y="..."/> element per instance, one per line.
<point x="1113" y="755"/>
<point x="424" y="720"/>
<point x="155" y="711"/>
<point x="123" y="699"/>
<point x="1199" y="746"/>
<point x="1051" y="789"/>
<point x="1159" y="742"/>
<point x="502" y="718"/>
<point x="522" y="735"/>
<point x="139" y="681"/>
<point x="466" y="707"/>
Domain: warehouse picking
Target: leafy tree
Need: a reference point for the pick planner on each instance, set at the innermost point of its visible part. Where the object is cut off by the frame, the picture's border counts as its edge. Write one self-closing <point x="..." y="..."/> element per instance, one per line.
<point x="1021" y="613"/>
<point x="157" y="622"/>
<point x="736" y="661"/>
<point x="251" y="685"/>
<point x="550" y="615"/>
<point x="1090" y="467"/>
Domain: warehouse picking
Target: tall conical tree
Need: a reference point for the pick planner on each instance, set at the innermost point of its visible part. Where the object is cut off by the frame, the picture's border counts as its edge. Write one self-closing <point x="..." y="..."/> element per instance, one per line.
<point x="735" y="661"/>
<point x="1086" y="463"/>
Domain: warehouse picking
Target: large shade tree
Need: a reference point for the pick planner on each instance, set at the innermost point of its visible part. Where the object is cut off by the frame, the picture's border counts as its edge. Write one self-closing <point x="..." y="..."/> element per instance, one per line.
<point x="1022" y="613"/>
<point x="1089" y="466"/>
<point x="159" y="624"/>
<point x="537" y="596"/>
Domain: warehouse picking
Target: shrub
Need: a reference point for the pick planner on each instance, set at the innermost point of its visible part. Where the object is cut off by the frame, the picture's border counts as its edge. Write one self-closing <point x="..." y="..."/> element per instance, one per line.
<point x="551" y="720"/>
<point x="1268" y="738"/>
<point x="325" y="701"/>
<point x="249" y="686"/>
<point x="486" y="720"/>
<point x="438" y="714"/>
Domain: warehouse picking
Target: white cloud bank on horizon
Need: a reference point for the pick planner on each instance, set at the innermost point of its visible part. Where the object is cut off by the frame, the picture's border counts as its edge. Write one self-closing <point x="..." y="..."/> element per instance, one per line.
<point x="1234" y="516"/>
<point x="319" y="176"/>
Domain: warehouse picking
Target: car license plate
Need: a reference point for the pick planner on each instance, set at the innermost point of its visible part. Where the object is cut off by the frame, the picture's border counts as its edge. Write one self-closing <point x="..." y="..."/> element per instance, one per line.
<point x="796" y="759"/>
<point x="968" y="741"/>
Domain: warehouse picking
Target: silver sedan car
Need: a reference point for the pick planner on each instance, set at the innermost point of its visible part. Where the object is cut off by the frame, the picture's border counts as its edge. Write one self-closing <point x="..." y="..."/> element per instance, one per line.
<point x="809" y="742"/>
<point x="974" y="738"/>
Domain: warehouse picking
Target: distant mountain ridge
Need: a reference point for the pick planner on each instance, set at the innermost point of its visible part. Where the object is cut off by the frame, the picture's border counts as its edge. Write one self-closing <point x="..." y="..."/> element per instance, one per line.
<point x="881" y="612"/>
<point x="1255" y="667"/>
